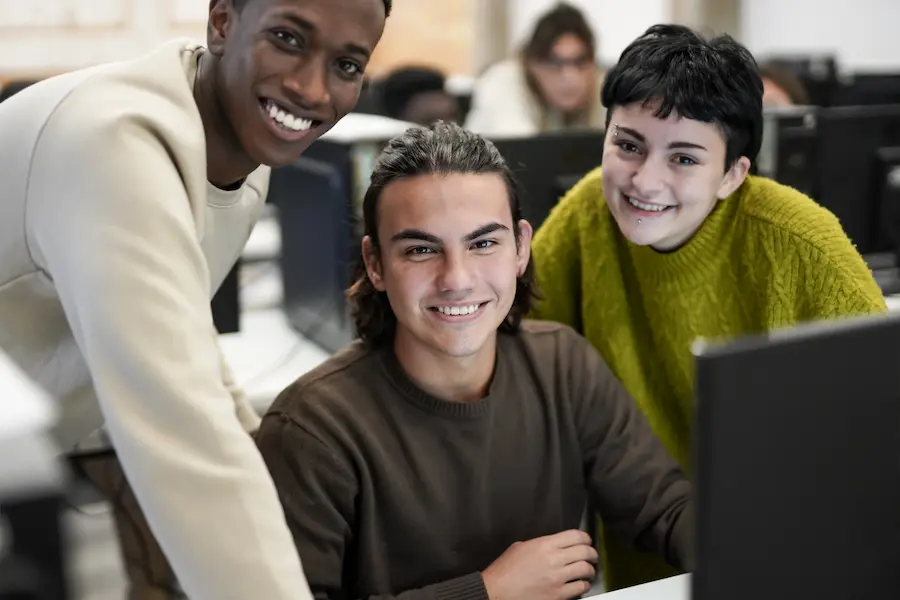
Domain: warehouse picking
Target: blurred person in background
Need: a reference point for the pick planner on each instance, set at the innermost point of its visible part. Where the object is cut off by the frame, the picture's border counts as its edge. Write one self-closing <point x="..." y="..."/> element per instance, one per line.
<point x="781" y="87"/>
<point x="418" y="95"/>
<point x="554" y="83"/>
<point x="129" y="191"/>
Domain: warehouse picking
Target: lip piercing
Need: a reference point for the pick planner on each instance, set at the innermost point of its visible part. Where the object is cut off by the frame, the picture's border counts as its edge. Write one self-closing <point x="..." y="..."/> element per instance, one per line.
<point x="639" y="221"/>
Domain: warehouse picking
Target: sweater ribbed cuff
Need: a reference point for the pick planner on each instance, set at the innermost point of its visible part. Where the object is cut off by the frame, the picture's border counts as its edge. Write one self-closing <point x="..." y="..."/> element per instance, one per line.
<point x="467" y="587"/>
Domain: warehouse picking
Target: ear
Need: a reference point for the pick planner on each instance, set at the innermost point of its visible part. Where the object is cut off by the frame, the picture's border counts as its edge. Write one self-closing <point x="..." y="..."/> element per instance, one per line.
<point x="373" y="263"/>
<point x="221" y="20"/>
<point x="523" y="252"/>
<point x="734" y="177"/>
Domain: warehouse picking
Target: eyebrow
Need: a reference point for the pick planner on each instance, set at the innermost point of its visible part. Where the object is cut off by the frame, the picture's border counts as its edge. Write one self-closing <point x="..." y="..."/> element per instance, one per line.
<point x="484" y="230"/>
<point x="306" y="25"/>
<point x="673" y="146"/>
<point x="423" y="236"/>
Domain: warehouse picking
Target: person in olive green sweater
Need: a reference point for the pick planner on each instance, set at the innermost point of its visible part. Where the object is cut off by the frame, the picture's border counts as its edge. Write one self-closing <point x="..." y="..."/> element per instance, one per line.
<point x="672" y="240"/>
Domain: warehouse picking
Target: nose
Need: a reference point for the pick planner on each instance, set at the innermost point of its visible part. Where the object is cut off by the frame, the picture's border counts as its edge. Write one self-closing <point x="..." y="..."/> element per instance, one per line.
<point x="307" y="84"/>
<point x="455" y="276"/>
<point x="649" y="178"/>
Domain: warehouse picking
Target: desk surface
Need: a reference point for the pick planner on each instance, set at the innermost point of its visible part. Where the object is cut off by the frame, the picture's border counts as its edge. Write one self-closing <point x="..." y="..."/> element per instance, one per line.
<point x="673" y="588"/>
<point x="25" y="409"/>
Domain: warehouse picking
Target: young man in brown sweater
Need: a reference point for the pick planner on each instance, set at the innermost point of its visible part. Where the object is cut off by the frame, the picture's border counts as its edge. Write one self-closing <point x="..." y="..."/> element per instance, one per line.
<point x="448" y="454"/>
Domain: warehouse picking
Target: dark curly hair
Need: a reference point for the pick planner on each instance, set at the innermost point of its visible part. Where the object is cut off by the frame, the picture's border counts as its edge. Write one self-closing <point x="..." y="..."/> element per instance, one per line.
<point x="441" y="149"/>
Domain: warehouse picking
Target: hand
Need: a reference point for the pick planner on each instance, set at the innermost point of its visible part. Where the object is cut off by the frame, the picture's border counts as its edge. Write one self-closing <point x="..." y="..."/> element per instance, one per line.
<point x="554" y="567"/>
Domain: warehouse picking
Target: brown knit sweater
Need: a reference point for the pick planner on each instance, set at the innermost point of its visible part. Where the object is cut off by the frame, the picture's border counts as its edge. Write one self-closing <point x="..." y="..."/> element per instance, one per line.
<point x="393" y="493"/>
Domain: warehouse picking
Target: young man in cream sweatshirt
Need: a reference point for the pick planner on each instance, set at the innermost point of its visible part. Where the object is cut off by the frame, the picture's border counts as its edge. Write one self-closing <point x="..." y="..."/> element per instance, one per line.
<point x="129" y="191"/>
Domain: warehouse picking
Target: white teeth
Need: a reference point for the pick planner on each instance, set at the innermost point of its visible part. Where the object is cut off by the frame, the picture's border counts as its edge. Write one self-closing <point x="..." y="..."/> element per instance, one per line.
<point x="286" y="119"/>
<point x="647" y="207"/>
<point x="457" y="310"/>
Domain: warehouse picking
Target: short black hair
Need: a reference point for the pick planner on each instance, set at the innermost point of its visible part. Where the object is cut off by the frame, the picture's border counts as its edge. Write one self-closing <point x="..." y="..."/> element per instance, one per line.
<point x="239" y="6"/>
<point x="711" y="80"/>
<point x="440" y="149"/>
<point x="401" y="85"/>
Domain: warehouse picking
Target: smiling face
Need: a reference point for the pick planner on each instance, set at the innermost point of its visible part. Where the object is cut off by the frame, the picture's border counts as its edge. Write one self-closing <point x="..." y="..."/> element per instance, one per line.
<point x="568" y="77"/>
<point x="663" y="177"/>
<point x="448" y="262"/>
<point x="290" y="69"/>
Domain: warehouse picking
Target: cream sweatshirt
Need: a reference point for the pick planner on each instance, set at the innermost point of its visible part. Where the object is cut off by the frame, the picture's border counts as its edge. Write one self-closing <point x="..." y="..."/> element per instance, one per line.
<point x="112" y="243"/>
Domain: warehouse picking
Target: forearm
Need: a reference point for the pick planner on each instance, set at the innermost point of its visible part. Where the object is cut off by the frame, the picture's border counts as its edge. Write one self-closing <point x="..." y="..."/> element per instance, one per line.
<point x="214" y="512"/>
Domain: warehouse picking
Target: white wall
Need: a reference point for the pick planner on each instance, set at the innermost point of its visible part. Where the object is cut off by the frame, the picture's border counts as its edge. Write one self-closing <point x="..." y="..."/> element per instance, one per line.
<point x="616" y="23"/>
<point x="865" y="34"/>
<point x="46" y="36"/>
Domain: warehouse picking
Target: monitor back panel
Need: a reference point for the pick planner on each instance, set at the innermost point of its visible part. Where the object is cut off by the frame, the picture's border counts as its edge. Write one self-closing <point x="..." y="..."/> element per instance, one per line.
<point x="798" y="465"/>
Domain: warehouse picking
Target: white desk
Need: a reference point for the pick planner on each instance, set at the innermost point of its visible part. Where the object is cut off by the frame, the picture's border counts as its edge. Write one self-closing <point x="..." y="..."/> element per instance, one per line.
<point x="267" y="355"/>
<point x="673" y="588"/>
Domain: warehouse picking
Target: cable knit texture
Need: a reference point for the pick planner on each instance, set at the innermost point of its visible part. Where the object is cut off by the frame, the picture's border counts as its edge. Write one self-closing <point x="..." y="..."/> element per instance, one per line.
<point x="767" y="257"/>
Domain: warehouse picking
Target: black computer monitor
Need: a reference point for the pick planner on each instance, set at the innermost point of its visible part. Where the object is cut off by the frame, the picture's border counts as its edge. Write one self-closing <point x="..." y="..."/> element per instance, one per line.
<point x="798" y="464"/>
<point x="887" y="177"/>
<point x="226" y="303"/>
<point x="849" y="138"/>
<point x="866" y="89"/>
<point x="319" y="246"/>
<point x="541" y="163"/>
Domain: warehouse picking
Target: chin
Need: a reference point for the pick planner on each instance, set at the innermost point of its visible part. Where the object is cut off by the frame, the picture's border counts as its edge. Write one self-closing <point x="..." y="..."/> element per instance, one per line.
<point x="462" y="346"/>
<point x="283" y="156"/>
<point x="640" y="235"/>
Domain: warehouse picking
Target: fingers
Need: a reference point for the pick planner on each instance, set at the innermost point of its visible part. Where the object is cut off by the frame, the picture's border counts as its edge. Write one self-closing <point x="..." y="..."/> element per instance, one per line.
<point x="566" y="539"/>
<point x="579" y="553"/>
<point x="579" y="570"/>
<point x="575" y="589"/>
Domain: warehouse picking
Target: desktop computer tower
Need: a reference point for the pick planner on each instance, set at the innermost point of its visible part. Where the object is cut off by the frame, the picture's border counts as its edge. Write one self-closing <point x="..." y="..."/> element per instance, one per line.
<point x="319" y="203"/>
<point x="788" y="148"/>
<point x="319" y="243"/>
<point x="226" y="303"/>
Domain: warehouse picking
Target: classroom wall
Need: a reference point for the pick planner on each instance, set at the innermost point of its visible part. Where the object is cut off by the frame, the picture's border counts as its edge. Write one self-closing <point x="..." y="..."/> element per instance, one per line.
<point x="43" y="37"/>
<point x="863" y="33"/>
<point x="51" y="36"/>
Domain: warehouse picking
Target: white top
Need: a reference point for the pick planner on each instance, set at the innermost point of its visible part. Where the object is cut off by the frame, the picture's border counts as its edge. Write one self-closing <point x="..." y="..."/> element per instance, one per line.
<point x="111" y="245"/>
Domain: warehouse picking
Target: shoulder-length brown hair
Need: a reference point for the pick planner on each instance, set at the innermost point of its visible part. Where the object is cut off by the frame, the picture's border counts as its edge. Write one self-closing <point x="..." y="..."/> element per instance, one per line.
<point x="442" y="149"/>
<point x="560" y="20"/>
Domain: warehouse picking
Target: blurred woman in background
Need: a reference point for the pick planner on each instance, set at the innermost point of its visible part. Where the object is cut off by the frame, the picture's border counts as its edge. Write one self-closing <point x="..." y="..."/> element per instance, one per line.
<point x="781" y="87"/>
<point x="554" y="83"/>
